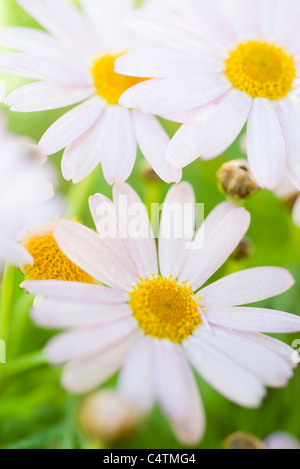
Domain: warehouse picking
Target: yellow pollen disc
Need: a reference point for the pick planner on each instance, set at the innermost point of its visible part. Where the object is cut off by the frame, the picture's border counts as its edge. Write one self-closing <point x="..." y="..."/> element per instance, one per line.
<point x="262" y="70"/>
<point x="49" y="261"/>
<point x="109" y="84"/>
<point x="165" y="309"/>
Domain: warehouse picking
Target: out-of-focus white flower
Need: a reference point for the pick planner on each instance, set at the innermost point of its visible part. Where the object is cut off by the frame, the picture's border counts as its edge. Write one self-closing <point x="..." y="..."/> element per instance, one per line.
<point x="25" y="187"/>
<point x="74" y="62"/>
<point x="281" y="440"/>
<point x="154" y="318"/>
<point x="223" y="63"/>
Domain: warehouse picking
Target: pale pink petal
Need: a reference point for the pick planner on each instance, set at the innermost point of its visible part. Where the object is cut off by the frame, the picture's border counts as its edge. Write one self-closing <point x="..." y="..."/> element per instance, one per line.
<point x="157" y="63"/>
<point x="82" y="343"/>
<point x="178" y="393"/>
<point x="216" y="134"/>
<point x="75" y="291"/>
<point x="117" y="144"/>
<point x="143" y="247"/>
<point x="177" y="227"/>
<point x="254" y="319"/>
<point x="15" y="254"/>
<point x="289" y="119"/>
<point x="265" y="145"/>
<point x="282" y="441"/>
<point x="153" y="142"/>
<point x="268" y="366"/>
<point x="228" y="378"/>
<point x="71" y="125"/>
<point x="247" y="286"/>
<point x="101" y="258"/>
<point x="85" y="374"/>
<point x="57" y="314"/>
<point x="82" y="155"/>
<point x="204" y="260"/>
<point x="136" y="380"/>
<point x="176" y="93"/>
<point x="42" y="96"/>
<point x="43" y="68"/>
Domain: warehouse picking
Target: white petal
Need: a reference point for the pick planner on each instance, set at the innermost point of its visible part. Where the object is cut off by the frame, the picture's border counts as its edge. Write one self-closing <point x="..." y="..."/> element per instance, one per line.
<point x="82" y="343"/>
<point x="219" y="242"/>
<point x="228" y="378"/>
<point x="102" y="258"/>
<point x="268" y="366"/>
<point x="222" y="126"/>
<point x="254" y="319"/>
<point x="247" y="286"/>
<point x="75" y="291"/>
<point x="43" y="68"/>
<point x="42" y="96"/>
<point x="57" y="314"/>
<point x="153" y="142"/>
<point x="136" y="380"/>
<point x="289" y="120"/>
<point x="177" y="228"/>
<point x="143" y="248"/>
<point x="265" y="145"/>
<point x="178" y="393"/>
<point x="84" y="375"/>
<point x="71" y="125"/>
<point x="117" y="144"/>
<point x="282" y="441"/>
<point x="82" y="155"/>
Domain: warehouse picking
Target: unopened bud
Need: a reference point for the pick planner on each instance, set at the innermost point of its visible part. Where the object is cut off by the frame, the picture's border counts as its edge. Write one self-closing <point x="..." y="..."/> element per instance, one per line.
<point x="108" y="417"/>
<point x="147" y="173"/>
<point x="242" y="440"/>
<point x="236" y="180"/>
<point x="243" y="251"/>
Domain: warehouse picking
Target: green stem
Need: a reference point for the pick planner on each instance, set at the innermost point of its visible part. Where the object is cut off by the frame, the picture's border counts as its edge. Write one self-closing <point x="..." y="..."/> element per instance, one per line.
<point x="18" y="327"/>
<point x="6" y="299"/>
<point x="25" y="363"/>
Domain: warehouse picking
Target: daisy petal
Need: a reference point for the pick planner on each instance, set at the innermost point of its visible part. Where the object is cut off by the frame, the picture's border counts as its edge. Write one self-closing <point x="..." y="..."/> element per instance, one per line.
<point x="265" y="145"/>
<point x="248" y="286"/>
<point x="85" y="374"/>
<point x="178" y="393"/>
<point x="117" y="144"/>
<point x="81" y="343"/>
<point x="254" y="319"/>
<point x="228" y="378"/>
<point x="153" y="142"/>
<point x="71" y="125"/>
<point x="101" y="258"/>
<point x="82" y="155"/>
<point x="136" y="381"/>
<point x="204" y="261"/>
<point x="42" y="96"/>
<point x="172" y="245"/>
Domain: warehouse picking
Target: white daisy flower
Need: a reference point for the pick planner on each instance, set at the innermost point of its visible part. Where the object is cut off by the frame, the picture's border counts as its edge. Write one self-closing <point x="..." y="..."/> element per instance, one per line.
<point x="229" y="63"/>
<point x="24" y="189"/>
<point x="74" y="63"/>
<point x="287" y="189"/>
<point x="153" y="318"/>
<point x="282" y="440"/>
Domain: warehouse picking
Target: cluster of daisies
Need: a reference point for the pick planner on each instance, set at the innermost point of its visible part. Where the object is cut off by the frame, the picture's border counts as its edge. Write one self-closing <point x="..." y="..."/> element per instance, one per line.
<point x="127" y="303"/>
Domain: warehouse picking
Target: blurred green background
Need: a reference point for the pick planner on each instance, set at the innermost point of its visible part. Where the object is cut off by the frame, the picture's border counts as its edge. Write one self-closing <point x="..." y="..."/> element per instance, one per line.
<point x="35" y="412"/>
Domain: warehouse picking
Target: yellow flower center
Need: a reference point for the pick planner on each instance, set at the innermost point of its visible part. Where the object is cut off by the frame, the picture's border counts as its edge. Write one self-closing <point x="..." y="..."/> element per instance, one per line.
<point x="262" y="70"/>
<point x="50" y="263"/>
<point x="165" y="309"/>
<point x="109" y="84"/>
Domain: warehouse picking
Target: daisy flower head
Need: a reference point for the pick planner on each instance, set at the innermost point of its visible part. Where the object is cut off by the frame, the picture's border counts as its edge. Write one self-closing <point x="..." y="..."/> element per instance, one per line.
<point x="152" y="317"/>
<point x="230" y="63"/>
<point x="73" y="63"/>
<point x="26" y="187"/>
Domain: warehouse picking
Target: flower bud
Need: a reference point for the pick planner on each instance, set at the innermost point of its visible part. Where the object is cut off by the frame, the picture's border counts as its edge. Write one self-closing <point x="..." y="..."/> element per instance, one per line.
<point x="108" y="417"/>
<point x="242" y="440"/>
<point x="243" y="251"/>
<point x="236" y="180"/>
